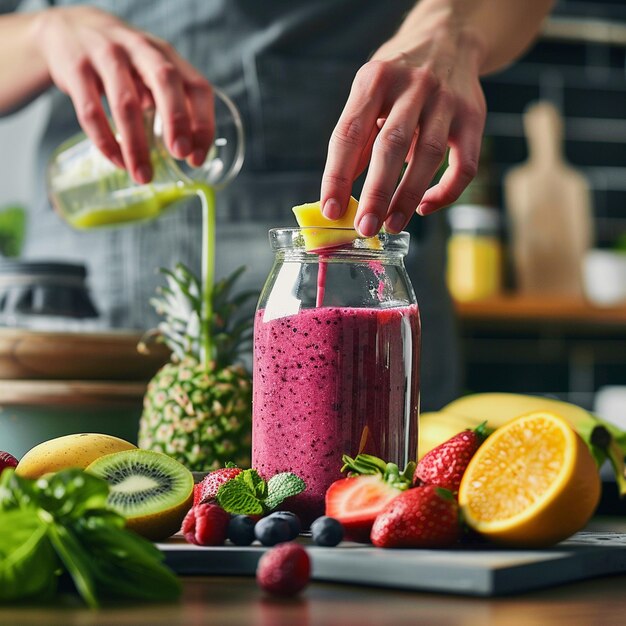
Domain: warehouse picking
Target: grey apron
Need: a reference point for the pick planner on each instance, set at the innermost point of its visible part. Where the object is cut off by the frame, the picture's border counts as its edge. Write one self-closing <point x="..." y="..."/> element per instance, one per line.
<point x="288" y="65"/>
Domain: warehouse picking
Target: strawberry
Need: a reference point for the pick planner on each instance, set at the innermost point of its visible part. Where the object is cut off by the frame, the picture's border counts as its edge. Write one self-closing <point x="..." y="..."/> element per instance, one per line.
<point x="206" y="491"/>
<point x="7" y="460"/>
<point x="357" y="500"/>
<point x="206" y="525"/>
<point x="284" y="570"/>
<point x="445" y="465"/>
<point x="423" y="517"/>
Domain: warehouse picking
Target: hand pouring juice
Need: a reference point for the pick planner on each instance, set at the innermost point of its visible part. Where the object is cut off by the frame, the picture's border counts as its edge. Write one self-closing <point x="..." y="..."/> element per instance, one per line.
<point x="89" y="191"/>
<point x="336" y="361"/>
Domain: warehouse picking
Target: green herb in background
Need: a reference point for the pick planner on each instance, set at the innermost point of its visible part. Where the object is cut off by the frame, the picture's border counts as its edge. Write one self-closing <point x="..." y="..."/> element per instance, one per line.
<point x="62" y="524"/>
<point x="12" y="230"/>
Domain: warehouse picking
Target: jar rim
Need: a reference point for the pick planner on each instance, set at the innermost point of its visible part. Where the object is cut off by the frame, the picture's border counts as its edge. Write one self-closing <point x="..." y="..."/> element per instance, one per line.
<point x="292" y="240"/>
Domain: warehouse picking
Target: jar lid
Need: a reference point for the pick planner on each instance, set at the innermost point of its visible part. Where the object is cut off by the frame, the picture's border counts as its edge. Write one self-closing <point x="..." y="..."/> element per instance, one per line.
<point x="474" y="217"/>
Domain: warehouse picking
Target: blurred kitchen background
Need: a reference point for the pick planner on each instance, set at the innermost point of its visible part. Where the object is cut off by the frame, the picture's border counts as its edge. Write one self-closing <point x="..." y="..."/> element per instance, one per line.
<point x="532" y="317"/>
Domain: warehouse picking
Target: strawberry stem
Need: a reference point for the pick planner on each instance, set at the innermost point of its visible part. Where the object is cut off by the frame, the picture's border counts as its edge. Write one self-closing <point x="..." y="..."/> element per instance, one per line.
<point x="483" y="431"/>
<point x="366" y="464"/>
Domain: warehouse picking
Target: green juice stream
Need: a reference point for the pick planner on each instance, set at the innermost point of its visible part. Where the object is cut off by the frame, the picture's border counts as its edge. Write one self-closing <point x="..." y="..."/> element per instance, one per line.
<point x="160" y="198"/>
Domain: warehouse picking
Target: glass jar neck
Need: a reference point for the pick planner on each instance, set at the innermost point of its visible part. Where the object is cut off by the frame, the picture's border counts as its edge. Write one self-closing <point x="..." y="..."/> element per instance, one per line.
<point x="288" y="244"/>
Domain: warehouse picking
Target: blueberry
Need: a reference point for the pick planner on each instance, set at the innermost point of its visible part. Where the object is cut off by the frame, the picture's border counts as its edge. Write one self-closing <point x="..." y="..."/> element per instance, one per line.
<point x="241" y="530"/>
<point x="326" y="531"/>
<point x="292" y="519"/>
<point x="272" y="530"/>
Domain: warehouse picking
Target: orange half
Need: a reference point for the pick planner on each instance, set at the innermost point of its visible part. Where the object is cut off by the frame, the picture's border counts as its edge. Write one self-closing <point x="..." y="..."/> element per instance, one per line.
<point x="532" y="483"/>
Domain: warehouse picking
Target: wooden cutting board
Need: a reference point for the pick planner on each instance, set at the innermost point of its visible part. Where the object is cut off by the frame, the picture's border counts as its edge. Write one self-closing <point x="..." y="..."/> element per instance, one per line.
<point x="476" y="571"/>
<point x="549" y="210"/>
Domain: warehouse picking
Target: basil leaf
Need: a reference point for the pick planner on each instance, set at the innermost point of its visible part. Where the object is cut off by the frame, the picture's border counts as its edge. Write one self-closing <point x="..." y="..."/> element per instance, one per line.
<point x="77" y="561"/>
<point x="28" y="563"/>
<point x="127" y="565"/>
<point x="70" y="494"/>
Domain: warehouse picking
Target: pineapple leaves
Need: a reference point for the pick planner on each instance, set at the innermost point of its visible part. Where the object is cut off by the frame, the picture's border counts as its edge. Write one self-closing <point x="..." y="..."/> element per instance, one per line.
<point x="180" y="303"/>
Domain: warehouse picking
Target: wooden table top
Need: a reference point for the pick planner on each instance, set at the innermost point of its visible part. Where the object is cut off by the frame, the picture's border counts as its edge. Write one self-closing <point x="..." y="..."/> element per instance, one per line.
<point x="237" y="601"/>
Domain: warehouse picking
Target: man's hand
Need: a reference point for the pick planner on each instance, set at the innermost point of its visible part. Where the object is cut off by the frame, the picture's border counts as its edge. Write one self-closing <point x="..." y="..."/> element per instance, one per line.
<point x="419" y="95"/>
<point x="90" y="53"/>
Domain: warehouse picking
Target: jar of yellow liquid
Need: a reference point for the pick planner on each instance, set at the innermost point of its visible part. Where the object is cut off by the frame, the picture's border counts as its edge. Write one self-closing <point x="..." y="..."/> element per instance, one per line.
<point x="474" y="264"/>
<point x="89" y="191"/>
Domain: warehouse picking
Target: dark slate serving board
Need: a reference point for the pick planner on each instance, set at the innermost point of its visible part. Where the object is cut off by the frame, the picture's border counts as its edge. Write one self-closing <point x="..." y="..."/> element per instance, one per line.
<point x="471" y="570"/>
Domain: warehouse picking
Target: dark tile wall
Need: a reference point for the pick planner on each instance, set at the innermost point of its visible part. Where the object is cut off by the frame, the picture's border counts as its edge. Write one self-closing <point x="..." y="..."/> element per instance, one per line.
<point x="587" y="82"/>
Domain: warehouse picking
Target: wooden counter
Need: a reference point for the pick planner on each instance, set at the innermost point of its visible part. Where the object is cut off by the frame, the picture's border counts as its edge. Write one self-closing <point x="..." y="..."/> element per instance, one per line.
<point x="238" y="602"/>
<point x="541" y="309"/>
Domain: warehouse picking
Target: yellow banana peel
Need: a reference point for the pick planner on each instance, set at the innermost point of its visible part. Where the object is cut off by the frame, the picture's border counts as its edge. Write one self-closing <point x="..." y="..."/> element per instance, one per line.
<point x="605" y="440"/>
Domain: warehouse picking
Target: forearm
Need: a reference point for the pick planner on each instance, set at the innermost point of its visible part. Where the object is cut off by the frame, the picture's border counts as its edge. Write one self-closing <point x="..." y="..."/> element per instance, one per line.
<point x="507" y="28"/>
<point x="494" y="32"/>
<point x="23" y="72"/>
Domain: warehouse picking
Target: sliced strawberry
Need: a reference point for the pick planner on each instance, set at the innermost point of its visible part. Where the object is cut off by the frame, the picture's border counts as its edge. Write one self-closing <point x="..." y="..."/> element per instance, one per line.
<point x="357" y="501"/>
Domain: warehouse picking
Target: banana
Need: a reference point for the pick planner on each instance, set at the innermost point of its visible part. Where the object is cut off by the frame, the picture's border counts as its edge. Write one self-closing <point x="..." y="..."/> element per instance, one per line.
<point x="436" y="427"/>
<point x="605" y="440"/>
<point x="500" y="408"/>
<point x="77" y="450"/>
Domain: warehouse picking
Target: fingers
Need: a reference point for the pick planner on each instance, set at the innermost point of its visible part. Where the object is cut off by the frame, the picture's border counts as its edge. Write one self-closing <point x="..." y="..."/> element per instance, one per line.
<point x="351" y="138"/>
<point x="163" y="79"/>
<point x="84" y="91"/>
<point x="424" y="108"/>
<point x="112" y="65"/>
<point x="388" y="156"/>
<point x="200" y="108"/>
<point x="72" y="70"/>
<point x="426" y="156"/>
<point x="463" y="165"/>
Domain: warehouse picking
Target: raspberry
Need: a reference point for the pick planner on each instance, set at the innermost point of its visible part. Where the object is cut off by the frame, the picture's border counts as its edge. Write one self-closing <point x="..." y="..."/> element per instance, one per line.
<point x="284" y="570"/>
<point x="206" y="525"/>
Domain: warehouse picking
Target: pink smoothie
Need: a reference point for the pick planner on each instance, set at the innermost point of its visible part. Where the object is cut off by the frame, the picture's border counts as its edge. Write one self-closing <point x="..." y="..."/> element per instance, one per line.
<point x="331" y="381"/>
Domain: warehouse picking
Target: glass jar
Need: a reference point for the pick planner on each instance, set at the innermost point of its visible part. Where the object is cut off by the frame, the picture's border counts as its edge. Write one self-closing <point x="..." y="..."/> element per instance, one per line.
<point x="474" y="266"/>
<point x="89" y="191"/>
<point x="336" y="361"/>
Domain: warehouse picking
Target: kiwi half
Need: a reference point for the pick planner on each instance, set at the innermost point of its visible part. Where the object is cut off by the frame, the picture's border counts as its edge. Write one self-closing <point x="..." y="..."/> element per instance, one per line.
<point x="151" y="490"/>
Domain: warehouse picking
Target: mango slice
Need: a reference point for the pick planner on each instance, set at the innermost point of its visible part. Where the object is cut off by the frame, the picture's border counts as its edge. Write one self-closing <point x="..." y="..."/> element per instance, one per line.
<point x="320" y="232"/>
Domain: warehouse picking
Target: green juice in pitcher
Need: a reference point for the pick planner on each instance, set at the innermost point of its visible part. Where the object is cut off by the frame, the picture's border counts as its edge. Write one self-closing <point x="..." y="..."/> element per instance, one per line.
<point x="139" y="203"/>
<point x="89" y="191"/>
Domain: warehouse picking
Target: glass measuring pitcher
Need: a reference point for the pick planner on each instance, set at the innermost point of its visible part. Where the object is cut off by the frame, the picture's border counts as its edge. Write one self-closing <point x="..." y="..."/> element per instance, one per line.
<point x="89" y="191"/>
<point x="336" y="361"/>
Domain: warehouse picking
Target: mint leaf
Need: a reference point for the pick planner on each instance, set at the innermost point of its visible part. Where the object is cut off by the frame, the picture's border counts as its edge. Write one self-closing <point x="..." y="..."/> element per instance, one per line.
<point x="283" y="486"/>
<point x="253" y="482"/>
<point x="237" y="497"/>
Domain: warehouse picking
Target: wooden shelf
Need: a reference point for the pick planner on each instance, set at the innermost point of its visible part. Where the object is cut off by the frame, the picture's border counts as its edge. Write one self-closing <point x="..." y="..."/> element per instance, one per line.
<point x="541" y="309"/>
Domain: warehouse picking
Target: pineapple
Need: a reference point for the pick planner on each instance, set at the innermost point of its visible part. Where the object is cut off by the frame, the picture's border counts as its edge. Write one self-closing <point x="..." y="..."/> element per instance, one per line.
<point x="197" y="408"/>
